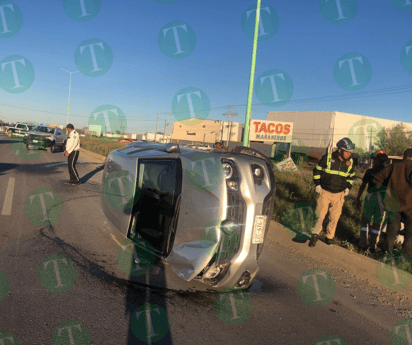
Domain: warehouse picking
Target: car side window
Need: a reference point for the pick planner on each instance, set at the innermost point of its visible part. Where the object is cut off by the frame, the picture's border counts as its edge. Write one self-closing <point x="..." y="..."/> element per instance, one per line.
<point x="58" y="131"/>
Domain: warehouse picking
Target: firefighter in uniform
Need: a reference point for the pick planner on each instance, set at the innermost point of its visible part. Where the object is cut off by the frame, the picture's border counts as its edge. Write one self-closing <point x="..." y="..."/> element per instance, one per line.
<point x="333" y="177"/>
<point x="72" y="151"/>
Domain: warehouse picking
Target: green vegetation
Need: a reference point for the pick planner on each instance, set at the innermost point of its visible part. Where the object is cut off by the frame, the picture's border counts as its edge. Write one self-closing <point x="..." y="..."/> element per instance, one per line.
<point x="102" y="146"/>
<point x="299" y="187"/>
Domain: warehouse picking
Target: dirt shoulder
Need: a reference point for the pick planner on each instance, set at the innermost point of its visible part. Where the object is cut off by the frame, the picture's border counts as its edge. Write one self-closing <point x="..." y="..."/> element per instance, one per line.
<point x="351" y="270"/>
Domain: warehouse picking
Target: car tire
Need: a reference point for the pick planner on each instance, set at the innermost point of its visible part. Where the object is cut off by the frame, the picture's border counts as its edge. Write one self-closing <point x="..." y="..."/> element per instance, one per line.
<point x="63" y="147"/>
<point x="52" y="147"/>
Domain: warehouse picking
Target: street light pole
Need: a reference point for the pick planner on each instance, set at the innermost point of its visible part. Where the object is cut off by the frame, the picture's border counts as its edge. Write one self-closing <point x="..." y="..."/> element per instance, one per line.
<point x="252" y="77"/>
<point x="70" y="87"/>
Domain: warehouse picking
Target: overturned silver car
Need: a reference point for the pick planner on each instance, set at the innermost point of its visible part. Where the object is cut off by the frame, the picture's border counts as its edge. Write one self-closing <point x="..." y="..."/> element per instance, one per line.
<point x="206" y="214"/>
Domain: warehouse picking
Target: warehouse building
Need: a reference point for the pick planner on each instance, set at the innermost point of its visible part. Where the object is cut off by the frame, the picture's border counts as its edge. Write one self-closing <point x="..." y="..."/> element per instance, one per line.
<point x="321" y="130"/>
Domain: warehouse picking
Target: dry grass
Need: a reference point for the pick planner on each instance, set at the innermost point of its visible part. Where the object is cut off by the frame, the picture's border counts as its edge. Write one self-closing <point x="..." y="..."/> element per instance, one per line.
<point x="102" y="145"/>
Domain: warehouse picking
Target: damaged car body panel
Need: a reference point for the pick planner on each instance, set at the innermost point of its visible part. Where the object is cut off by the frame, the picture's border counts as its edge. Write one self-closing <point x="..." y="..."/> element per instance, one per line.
<point x="205" y="213"/>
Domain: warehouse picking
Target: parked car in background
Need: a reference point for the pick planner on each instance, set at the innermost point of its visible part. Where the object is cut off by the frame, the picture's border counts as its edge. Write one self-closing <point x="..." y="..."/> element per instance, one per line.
<point x="45" y="137"/>
<point x="206" y="213"/>
<point x="20" y="130"/>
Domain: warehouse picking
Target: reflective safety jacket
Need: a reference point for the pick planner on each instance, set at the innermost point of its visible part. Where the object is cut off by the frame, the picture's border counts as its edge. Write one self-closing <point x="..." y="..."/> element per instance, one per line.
<point x="332" y="174"/>
<point x="73" y="142"/>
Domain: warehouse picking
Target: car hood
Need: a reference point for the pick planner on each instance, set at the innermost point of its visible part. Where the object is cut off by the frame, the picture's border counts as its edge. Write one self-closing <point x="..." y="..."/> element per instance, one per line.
<point x="202" y="210"/>
<point x="41" y="134"/>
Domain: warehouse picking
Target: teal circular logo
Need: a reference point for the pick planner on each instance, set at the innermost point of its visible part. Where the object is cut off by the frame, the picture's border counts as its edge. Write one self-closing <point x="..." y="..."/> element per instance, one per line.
<point x="363" y="133"/>
<point x="16" y="74"/>
<point x="4" y="285"/>
<point x="402" y="5"/>
<point x="352" y="72"/>
<point x="71" y="332"/>
<point x="316" y="287"/>
<point x="111" y="118"/>
<point x="299" y="220"/>
<point x="190" y="103"/>
<point x="233" y="306"/>
<point x="136" y="257"/>
<point x="381" y="205"/>
<point x="7" y="338"/>
<point x="406" y="57"/>
<point x="204" y="172"/>
<point x="82" y="10"/>
<point x="149" y="323"/>
<point x="119" y="190"/>
<point x="391" y="271"/>
<point x="23" y="150"/>
<point x="11" y="19"/>
<point x="57" y="273"/>
<point x="177" y="39"/>
<point x="220" y="239"/>
<point x="330" y="339"/>
<point x="274" y="88"/>
<point x="401" y="332"/>
<point x="43" y="207"/>
<point x="93" y="57"/>
<point x="268" y="22"/>
<point x="338" y="12"/>
<point x="299" y="153"/>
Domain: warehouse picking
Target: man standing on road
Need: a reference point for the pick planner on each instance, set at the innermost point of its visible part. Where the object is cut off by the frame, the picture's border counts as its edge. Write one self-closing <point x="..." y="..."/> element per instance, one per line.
<point x="72" y="151"/>
<point x="400" y="181"/>
<point x="333" y="177"/>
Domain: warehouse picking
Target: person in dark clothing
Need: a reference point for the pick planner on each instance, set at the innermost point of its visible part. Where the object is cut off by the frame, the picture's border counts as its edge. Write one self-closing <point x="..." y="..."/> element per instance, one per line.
<point x="400" y="184"/>
<point x="372" y="216"/>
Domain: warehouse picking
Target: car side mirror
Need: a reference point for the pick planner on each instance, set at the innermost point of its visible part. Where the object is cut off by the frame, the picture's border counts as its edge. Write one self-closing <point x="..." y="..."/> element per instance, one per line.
<point x="172" y="148"/>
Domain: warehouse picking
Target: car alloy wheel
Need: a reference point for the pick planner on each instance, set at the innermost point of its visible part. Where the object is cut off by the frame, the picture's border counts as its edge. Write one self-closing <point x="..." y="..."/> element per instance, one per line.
<point x="52" y="147"/>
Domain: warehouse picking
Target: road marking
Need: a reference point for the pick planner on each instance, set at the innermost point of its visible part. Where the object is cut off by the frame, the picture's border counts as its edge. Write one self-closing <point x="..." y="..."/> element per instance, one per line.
<point x="8" y="199"/>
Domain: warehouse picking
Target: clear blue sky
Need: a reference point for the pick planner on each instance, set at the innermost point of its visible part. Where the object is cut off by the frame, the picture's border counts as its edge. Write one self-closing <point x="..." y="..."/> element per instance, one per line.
<point x="142" y="80"/>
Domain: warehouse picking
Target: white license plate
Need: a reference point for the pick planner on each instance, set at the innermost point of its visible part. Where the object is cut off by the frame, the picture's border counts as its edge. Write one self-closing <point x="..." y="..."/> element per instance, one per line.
<point x="259" y="229"/>
<point x="35" y="141"/>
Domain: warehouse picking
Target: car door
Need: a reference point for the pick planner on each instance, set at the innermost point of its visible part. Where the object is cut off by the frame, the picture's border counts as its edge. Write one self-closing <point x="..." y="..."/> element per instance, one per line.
<point x="58" y="135"/>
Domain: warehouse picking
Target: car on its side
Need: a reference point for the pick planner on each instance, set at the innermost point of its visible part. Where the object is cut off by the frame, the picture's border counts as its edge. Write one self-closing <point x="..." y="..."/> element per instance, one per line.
<point x="205" y="213"/>
<point x="19" y="131"/>
<point x="45" y="137"/>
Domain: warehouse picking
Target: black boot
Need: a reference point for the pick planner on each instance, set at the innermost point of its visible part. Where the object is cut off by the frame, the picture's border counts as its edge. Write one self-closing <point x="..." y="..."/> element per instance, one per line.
<point x="328" y="241"/>
<point x="313" y="240"/>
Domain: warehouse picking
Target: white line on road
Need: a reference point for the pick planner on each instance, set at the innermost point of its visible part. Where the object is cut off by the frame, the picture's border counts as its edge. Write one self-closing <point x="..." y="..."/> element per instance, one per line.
<point x="8" y="199"/>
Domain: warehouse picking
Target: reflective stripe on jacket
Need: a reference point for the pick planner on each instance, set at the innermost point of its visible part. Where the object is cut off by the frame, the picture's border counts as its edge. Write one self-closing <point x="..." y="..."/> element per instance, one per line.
<point x="332" y="174"/>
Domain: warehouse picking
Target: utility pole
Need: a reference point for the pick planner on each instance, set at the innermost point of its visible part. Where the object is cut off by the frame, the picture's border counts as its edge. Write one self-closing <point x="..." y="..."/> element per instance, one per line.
<point x="157" y="118"/>
<point x="168" y="126"/>
<point x="164" y="131"/>
<point x="229" y="114"/>
<point x="252" y="76"/>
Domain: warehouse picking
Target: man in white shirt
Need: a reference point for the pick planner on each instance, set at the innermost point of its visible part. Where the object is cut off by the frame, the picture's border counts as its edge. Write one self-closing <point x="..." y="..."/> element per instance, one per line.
<point x="72" y="151"/>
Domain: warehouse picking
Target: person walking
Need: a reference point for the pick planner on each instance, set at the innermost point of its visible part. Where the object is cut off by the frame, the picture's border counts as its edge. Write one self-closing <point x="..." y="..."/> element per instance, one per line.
<point x="72" y="151"/>
<point x="398" y="201"/>
<point x="372" y="215"/>
<point x="333" y="177"/>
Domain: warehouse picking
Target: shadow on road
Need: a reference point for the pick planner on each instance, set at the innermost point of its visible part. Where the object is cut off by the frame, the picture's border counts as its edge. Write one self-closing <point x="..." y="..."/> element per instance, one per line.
<point x="89" y="175"/>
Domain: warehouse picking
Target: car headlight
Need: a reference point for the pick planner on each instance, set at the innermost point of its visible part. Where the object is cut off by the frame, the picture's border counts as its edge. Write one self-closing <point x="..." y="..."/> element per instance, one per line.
<point x="227" y="170"/>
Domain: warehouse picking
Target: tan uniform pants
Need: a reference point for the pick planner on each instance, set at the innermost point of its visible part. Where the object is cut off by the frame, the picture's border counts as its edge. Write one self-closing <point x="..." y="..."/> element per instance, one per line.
<point x="332" y="202"/>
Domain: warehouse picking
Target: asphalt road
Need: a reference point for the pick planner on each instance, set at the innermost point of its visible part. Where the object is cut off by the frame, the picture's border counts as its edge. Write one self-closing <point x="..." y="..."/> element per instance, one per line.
<point x="63" y="283"/>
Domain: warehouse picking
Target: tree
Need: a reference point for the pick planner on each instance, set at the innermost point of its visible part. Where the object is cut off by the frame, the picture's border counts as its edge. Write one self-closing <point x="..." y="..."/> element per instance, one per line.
<point x="394" y="140"/>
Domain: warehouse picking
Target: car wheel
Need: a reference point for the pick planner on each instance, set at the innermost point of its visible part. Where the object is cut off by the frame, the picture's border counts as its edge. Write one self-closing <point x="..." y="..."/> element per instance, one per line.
<point x="52" y="147"/>
<point x="63" y="147"/>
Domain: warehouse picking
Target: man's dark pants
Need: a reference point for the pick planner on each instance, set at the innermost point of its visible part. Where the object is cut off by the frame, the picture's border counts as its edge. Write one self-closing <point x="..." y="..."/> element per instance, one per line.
<point x="74" y="175"/>
<point x="392" y="230"/>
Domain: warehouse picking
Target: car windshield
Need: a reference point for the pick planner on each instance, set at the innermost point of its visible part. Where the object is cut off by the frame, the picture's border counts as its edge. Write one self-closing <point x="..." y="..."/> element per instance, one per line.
<point x="44" y="129"/>
<point x="159" y="181"/>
